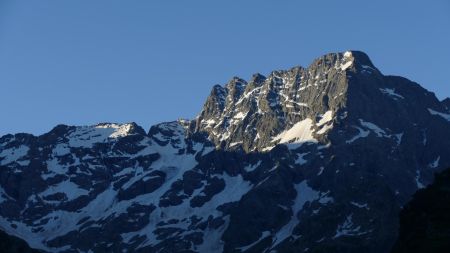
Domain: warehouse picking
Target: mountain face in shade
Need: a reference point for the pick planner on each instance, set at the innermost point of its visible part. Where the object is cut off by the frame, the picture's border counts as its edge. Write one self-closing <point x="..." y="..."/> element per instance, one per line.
<point x="11" y="244"/>
<point x="425" y="220"/>
<point x="317" y="159"/>
<point x="446" y="103"/>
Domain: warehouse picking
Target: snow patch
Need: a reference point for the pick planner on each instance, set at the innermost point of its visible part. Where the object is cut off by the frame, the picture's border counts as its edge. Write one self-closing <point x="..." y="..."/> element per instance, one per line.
<point x="13" y="154"/>
<point x="391" y="92"/>
<point x="348" y="228"/>
<point x="300" y="160"/>
<point x="87" y="136"/>
<point x="264" y="235"/>
<point x="348" y="54"/>
<point x="346" y="65"/>
<point x="320" y="171"/>
<point x="325" y="129"/>
<point x="362" y="134"/>
<point x="326" y="117"/>
<point x="360" y="205"/>
<point x="399" y="138"/>
<point x="253" y="167"/>
<point x="235" y="143"/>
<point x="418" y="183"/>
<point x="378" y="131"/>
<point x="300" y="133"/>
<point x="304" y="194"/>
<point x="70" y="189"/>
<point x="435" y="163"/>
<point x="445" y="116"/>
<point x="61" y="149"/>
<point x="240" y="115"/>
<point x="209" y="123"/>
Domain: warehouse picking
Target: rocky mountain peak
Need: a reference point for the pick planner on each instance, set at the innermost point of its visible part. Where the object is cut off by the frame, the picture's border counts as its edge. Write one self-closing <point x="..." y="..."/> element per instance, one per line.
<point x="266" y="106"/>
<point x="302" y="105"/>
<point x="257" y="79"/>
<point x="356" y="61"/>
<point x="358" y="58"/>
<point x="236" y="83"/>
<point x="263" y="163"/>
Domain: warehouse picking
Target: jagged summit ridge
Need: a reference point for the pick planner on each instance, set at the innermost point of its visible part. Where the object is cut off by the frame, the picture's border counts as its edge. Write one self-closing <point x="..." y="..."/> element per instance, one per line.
<point x="269" y="103"/>
<point x="252" y="114"/>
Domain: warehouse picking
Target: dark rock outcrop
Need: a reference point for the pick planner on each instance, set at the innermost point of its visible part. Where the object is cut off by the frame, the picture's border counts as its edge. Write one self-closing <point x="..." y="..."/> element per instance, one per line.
<point x="446" y="103"/>
<point x="11" y="244"/>
<point x="425" y="220"/>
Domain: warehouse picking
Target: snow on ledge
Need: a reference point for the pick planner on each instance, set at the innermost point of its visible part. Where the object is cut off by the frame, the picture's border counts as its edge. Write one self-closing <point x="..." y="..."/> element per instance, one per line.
<point x="362" y="134"/>
<point x="346" y="65"/>
<point x="347" y="61"/>
<point x="86" y="136"/>
<point x="445" y="116"/>
<point x="120" y="130"/>
<point x="391" y="92"/>
<point x="300" y="133"/>
<point x="376" y="129"/>
<point x="326" y="117"/>
<point x="13" y="154"/>
<point x="348" y="54"/>
<point x="435" y="163"/>
<point x="348" y="228"/>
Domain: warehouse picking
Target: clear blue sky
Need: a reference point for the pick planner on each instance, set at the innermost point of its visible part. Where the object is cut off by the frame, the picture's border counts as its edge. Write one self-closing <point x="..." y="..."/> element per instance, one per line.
<point x="83" y="62"/>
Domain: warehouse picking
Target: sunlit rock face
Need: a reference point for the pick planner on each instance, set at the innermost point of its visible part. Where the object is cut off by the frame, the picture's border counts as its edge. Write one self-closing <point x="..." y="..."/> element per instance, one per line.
<point x="316" y="159"/>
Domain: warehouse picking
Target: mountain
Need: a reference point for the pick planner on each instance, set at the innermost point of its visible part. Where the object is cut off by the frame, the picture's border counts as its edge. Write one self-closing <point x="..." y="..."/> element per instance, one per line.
<point x="425" y="221"/>
<point x="317" y="159"/>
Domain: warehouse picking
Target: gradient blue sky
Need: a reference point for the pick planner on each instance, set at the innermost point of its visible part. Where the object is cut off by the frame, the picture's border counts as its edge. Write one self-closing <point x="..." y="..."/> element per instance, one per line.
<point x="83" y="62"/>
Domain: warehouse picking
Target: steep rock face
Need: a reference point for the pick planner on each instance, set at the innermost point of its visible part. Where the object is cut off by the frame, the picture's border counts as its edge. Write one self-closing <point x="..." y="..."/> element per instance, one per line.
<point x="340" y="101"/>
<point x="425" y="220"/>
<point x="316" y="159"/>
<point x="251" y="114"/>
